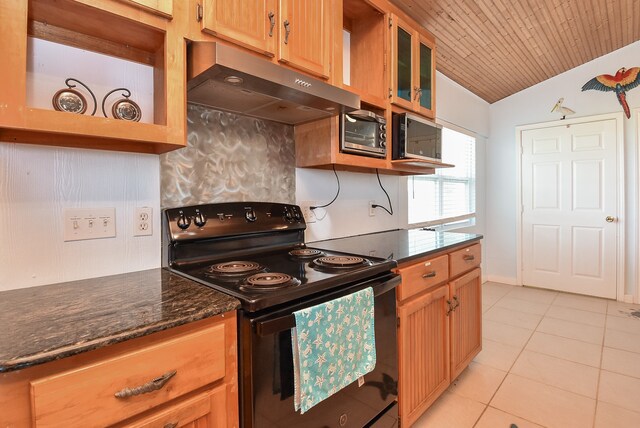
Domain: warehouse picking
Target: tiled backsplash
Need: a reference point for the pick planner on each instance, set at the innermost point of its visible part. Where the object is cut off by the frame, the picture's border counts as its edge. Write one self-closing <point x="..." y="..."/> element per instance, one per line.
<point x="229" y="158"/>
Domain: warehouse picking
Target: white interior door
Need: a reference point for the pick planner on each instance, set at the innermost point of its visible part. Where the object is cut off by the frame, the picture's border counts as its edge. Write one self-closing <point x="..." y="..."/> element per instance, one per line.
<point x="570" y="203"/>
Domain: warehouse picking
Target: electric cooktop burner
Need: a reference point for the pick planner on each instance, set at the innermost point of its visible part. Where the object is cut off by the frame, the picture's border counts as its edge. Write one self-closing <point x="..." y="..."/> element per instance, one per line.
<point x="306" y="253"/>
<point x="235" y="268"/>
<point x="337" y="264"/>
<point x="268" y="281"/>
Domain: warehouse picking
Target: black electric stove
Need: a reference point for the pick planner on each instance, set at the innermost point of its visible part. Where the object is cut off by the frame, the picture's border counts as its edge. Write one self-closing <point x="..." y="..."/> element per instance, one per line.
<point x="256" y="253"/>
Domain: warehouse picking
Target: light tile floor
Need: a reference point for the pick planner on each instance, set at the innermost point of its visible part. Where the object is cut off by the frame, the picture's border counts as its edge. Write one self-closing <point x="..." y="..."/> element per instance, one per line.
<point x="549" y="359"/>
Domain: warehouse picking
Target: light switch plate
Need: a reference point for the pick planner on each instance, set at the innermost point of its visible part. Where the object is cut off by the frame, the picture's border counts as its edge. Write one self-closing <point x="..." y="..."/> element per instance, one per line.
<point x="89" y="223"/>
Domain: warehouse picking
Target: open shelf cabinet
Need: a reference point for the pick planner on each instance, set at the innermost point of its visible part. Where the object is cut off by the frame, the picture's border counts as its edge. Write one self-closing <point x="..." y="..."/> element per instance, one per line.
<point x="137" y="31"/>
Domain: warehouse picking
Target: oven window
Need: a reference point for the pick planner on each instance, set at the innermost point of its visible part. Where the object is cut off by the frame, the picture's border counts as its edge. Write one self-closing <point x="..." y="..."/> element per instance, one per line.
<point x="360" y="132"/>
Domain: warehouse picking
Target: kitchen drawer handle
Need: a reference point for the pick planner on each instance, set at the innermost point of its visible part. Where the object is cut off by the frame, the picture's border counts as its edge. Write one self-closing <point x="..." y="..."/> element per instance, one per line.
<point x="150" y="386"/>
<point x="431" y="274"/>
<point x="449" y="307"/>
<point x="171" y="425"/>
<point x="469" y="258"/>
<point x="272" y="23"/>
<point x="287" y="30"/>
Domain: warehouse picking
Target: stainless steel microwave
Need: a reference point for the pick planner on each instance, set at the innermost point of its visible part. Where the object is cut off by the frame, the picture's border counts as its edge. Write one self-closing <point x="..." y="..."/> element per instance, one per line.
<point x="416" y="137"/>
<point x="363" y="132"/>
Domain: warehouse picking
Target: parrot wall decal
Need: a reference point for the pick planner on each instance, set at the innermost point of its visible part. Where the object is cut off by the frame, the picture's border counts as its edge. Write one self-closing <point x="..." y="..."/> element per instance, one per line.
<point x="623" y="81"/>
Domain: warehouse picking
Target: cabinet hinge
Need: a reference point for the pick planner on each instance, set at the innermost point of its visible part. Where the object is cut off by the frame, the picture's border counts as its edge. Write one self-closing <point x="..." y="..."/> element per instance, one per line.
<point x="398" y="321"/>
<point x="390" y="93"/>
<point x="390" y="22"/>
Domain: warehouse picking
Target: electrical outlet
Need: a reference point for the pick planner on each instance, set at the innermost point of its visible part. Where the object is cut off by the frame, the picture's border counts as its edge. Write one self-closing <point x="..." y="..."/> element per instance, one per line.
<point x="143" y="221"/>
<point x="89" y="223"/>
<point x="372" y="210"/>
<point x="307" y="212"/>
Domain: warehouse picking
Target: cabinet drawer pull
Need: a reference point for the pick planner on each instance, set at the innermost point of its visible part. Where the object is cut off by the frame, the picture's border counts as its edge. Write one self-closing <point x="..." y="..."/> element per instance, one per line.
<point x="171" y="425"/>
<point x="272" y="23"/>
<point x="150" y="386"/>
<point x="469" y="258"/>
<point x="431" y="274"/>
<point x="449" y="307"/>
<point x="287" y="30"/>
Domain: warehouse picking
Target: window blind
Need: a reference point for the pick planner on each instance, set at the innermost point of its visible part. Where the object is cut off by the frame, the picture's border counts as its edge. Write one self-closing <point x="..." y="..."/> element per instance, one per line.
<point x="449" y="195"/>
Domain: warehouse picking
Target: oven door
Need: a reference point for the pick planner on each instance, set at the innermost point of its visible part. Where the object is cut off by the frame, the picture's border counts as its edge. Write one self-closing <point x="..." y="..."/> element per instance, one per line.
<point x="266" y="367"/>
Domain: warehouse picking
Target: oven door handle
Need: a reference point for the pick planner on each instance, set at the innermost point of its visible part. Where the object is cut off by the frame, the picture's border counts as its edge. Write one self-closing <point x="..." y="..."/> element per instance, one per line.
<point x="287" y="322"/>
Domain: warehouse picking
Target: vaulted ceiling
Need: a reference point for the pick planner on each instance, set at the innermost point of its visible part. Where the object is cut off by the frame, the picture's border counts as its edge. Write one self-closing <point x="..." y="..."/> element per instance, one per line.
<point x="496" y="48"/>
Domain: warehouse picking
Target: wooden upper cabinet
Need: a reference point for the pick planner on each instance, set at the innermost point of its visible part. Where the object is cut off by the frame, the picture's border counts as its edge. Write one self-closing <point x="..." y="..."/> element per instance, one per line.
<point x="160" y="7"/>
<point x="136" y="31"/>
<point x="412" y="68"/>
<point x="305" y="35"/>
<point x="425" y="72"/>
<point x="249" y="23"/>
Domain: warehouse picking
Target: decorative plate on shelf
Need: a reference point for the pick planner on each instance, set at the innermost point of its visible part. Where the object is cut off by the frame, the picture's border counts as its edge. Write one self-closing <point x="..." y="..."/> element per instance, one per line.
<point x="126" y="109"/>
<point x="69" y="100"/>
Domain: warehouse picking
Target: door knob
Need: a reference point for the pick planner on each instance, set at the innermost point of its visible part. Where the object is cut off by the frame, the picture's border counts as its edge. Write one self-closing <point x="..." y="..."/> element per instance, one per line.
<point x="610" y="219"/>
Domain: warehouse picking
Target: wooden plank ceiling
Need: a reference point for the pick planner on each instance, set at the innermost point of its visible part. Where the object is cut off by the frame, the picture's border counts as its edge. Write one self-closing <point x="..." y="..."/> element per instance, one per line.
<point x="496" y="48"/>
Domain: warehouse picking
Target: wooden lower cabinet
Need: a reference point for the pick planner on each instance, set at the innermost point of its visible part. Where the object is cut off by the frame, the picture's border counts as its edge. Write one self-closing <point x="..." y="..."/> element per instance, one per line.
<point x="424" y="352"/>
<point x="439" y="328"/>
<point x="181" y="377"/>
<point x="466" y="320"/>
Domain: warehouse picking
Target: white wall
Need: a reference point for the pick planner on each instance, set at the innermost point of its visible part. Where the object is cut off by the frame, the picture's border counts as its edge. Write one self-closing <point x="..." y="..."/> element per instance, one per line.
<point x="533" y="105"/>
<point x="349" y="214"/>
<point x="37" y="183"/>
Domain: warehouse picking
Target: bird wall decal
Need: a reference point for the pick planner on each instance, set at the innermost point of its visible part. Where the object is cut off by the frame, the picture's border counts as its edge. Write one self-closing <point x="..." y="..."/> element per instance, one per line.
<point x="623" y="81"/>
<point x="559" y="108"/>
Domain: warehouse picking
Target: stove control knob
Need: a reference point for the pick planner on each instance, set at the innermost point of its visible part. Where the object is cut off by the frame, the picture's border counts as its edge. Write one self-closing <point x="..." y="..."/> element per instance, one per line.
<point x="199" y="219"/>
<point x="288" y="216"/>
<point x="183" y="221"/>
<point x="250" y="215"/>
<point x="297" y="216"/>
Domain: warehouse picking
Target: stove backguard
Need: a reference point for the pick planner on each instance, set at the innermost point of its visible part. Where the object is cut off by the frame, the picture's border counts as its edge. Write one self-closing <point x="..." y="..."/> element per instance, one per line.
<point x="197" y="232"/>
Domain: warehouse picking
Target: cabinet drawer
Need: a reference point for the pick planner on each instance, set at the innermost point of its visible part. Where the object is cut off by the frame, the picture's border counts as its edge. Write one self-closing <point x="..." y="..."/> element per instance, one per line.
<point x="88" y="393"/>
<point x="423" y="275"/>
<point x="464" y="260"/>
<point x="208" y="406"/>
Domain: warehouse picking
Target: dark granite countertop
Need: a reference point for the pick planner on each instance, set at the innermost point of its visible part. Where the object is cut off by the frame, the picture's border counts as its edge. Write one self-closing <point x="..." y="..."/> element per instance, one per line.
<point x="401" y="245"/>
<point x="46" y="323"/>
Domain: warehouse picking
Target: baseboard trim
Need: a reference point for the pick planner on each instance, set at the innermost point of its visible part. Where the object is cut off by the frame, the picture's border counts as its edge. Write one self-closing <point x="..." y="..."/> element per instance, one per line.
<point x="502" y="279"/>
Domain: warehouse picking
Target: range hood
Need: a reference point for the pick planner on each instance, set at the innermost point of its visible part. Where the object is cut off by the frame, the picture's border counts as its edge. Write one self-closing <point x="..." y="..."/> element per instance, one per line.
<point x="226" y="78"/>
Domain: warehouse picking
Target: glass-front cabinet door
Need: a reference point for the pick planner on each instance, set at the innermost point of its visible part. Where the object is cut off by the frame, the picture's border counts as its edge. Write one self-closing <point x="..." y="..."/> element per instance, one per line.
<point x="403" y="63"/>
<point x="426" y="71"/>
<point x="412" y="68"/>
